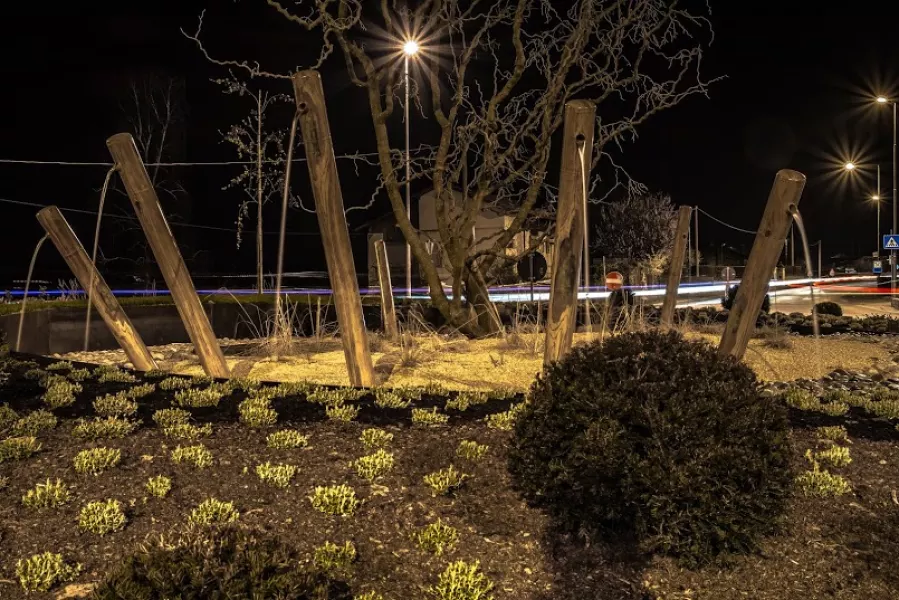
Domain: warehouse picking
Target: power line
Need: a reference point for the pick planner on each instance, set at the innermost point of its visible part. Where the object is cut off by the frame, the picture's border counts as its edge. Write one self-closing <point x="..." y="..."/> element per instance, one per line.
<point x="65" y="163"/>
<point x="717" y="220"/>
<point x="171" y="223"/>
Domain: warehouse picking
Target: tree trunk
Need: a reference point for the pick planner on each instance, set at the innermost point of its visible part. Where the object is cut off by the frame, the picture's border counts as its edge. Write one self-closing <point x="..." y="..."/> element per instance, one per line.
<point x="259" y="194"/>
<point x="484" y="318"/>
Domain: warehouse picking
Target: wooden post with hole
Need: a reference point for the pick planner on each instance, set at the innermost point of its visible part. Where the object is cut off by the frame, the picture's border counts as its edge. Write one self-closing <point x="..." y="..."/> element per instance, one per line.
<point x="388" y="311"/>
<point x="782" y="203"/>
<point x="580" y="119"/>
<point x="152" y="220"/>
<point x="108" y="307"/>
<point x="678" y="252"/>
<point x="313" y="118"/>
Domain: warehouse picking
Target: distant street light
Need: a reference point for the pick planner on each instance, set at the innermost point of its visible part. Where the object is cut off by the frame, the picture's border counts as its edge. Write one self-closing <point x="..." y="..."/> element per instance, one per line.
<point x="851" y="167"/>
<point x="410" y="49"/>
<point x="885" y="100"/>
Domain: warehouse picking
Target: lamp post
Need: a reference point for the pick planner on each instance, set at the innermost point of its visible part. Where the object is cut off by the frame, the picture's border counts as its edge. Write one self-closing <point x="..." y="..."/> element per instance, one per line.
<point x="410" y="49"/>
<point x="876" y="198"/>
<point x="885" y="100"/>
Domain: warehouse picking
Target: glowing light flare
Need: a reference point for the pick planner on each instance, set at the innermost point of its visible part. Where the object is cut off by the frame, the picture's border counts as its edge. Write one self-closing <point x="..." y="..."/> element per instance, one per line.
<point x="411" y="48"/>
<point x="849" y="166"/>
<point x="882" y="99"/>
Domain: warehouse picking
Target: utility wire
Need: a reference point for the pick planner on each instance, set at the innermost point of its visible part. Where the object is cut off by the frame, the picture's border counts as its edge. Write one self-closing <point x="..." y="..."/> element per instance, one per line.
<point x="65" y="163"/>
<point x="125" y="218"/>
<point x="726" y="224"/>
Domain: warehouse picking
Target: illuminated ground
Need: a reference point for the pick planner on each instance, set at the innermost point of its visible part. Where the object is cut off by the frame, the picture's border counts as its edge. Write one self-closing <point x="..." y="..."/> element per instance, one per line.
<point x="511" y="362"/>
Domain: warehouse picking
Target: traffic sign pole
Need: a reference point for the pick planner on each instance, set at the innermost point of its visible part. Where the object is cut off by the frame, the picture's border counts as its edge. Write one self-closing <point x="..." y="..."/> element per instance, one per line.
<point x="531" y="263"/>
<point x="895" y="199"/>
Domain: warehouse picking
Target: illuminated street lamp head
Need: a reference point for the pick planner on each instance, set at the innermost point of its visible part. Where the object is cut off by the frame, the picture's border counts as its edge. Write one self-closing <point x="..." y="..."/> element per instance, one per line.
<point x="411" y="48"/>
<point x="875" y="198"/>
<point x="849" y="166"/>
<point x="882" y="99"/>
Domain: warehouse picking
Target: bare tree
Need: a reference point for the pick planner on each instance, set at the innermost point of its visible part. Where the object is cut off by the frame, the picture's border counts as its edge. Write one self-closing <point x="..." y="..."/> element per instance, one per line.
<point x="155" y="112"/>
<point x="498" y="74"/>
<point x="262" y="177"/>
<point x="635" y="234"/>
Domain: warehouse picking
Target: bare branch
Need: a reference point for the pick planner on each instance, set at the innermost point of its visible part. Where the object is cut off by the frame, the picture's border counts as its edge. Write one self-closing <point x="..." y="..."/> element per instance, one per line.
<point x="254" y="69"/>
<point x="498" y="75"/>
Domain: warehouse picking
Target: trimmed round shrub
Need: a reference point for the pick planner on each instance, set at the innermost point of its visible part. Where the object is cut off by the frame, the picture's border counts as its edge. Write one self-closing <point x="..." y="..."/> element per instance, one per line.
<point x="728" y="300"/>
<point x="829" y="308"/>
<point x="225" y="562"/>
<point x="659" y="439"/>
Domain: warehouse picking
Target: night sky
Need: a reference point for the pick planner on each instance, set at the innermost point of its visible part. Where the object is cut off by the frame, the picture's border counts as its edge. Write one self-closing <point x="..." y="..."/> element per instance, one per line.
<point x="797" y="94"/>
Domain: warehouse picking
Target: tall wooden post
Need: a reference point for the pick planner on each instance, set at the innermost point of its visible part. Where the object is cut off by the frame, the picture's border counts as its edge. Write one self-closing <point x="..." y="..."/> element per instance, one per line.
<point x="782" y="202"/>
<point x="313" y="118"/>
<point x="388" y="311"/>
<point x="162" y="242"/>
<point x="677" y="264"/>
<point x="580" y="119"/>
<point x="108" y="307"/>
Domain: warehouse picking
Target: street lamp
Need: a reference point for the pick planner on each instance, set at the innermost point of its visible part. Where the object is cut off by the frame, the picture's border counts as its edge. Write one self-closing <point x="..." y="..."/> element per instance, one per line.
<point x="410" y="50"/>
<point x="852" y="167"/>
<point x="885" y="100"/>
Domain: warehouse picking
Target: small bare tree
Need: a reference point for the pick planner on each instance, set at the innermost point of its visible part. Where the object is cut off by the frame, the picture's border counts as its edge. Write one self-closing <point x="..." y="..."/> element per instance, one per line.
<point x="155" y="112"/>
<point x="262" y="177"/>
<point x="498" y="74"/>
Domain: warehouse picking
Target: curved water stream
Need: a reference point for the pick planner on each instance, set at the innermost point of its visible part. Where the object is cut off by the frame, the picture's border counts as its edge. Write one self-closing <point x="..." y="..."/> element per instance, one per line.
<point x="90" y="287"/>
<point x="280" y="320"/>
<point x="808" y="268"/>
<point x="28" y="285"/>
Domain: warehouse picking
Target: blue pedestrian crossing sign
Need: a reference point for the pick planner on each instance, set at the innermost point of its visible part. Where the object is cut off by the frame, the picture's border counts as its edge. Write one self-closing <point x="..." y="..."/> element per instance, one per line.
<point x="891" y="242"/>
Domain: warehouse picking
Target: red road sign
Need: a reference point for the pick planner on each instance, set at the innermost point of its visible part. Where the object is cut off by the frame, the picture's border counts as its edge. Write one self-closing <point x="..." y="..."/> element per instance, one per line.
<point x="614" y="280"/>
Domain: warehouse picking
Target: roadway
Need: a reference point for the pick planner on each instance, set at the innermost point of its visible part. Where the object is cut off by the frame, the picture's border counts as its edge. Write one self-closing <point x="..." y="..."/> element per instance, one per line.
<point x="866" y="296"/>
<point x="857" y="294"/>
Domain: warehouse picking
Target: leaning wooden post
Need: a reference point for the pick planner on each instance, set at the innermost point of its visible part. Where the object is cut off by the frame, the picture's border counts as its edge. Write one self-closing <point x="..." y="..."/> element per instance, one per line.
<point x="678" y="251"/>
<point x="782" y="202"/>
<point x="388" y="311"/>
<point x="108" y="307"/>
<point x="313" y="117"/>
<point x="162" y="242"/>
<point x="577" y="141"/>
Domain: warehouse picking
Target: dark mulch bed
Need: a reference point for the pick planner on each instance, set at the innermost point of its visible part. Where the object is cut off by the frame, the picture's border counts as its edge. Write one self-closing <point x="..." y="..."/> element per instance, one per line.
<point x="831" y="548"/>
